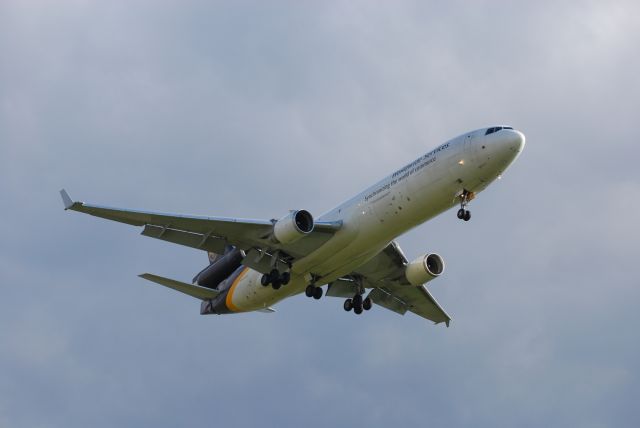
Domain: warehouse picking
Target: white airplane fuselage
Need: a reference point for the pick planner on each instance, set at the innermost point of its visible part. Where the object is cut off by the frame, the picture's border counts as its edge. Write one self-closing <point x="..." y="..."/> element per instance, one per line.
<point x="401" y="201"/>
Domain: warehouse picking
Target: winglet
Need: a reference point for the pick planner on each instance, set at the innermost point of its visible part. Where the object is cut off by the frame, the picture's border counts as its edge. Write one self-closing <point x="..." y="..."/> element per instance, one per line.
<point x="68" y="203"/>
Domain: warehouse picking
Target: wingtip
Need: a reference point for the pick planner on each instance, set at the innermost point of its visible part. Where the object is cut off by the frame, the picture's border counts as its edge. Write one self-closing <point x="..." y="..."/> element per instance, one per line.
<point x="66" y="199"/>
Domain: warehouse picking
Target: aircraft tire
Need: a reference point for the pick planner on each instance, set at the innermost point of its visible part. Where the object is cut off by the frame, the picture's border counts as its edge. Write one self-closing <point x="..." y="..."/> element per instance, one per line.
<point x="467" y="215"/>
<point x="357" y="310"/>
<point x="367" y="304"/>
<point x="461" y="213"/>
<point x="317" y="293"/>
<point x="309" y="291"/>
<point x="276" y="284"/>
<point x="265" y="280"/>
<point x="285" y="278"/>
<point x="348" y="305"/>
<point x="357" y="300"/>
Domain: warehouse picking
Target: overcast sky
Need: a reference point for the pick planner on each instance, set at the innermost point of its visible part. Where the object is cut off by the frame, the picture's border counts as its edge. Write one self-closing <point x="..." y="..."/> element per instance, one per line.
<point x="250" y="109"/>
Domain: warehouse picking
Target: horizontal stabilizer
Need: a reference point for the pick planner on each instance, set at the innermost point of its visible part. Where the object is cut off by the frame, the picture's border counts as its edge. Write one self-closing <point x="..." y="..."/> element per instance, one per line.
<point x="196" y="291"/>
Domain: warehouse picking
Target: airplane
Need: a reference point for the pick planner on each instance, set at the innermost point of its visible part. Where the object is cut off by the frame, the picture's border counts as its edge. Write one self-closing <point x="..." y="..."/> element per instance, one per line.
<point x="253" y="264"/>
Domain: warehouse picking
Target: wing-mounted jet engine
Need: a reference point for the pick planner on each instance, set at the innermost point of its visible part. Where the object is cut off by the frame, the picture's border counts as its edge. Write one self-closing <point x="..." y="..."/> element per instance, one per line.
<point x="293" y="226"/>
<point x="289" y="229"/>
<point x="424" y="269"/>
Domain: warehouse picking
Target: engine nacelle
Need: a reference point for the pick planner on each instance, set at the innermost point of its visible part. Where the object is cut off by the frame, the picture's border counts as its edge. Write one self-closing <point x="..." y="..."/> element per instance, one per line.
<point x="220" y="269"/>
<point x="424" y="269"/>
<point x="293" y="226"/>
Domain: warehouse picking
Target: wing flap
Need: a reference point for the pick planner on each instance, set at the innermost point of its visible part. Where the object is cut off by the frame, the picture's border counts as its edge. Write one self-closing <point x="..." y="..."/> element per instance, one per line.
<point x="342" y="288"/>
<point x="188" y="239"/>
<point x="386" y="300"/>
<point x="419" y="301"/>
<point x="196" y="291"/>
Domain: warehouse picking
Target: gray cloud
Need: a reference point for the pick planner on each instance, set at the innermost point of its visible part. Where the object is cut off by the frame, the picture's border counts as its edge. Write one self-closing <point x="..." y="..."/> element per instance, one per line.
<point x="250" y="109"/>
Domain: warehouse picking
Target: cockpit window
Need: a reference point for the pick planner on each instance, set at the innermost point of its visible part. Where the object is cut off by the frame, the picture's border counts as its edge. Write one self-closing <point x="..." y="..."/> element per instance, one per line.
<point x="492" y="130"/>
<point x="496" y="129"/>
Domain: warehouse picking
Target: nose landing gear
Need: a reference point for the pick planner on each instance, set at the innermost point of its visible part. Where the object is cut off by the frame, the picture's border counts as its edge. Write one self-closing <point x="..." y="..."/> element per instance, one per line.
<point x="465" y="198"/>
<point x="464" y="214"/>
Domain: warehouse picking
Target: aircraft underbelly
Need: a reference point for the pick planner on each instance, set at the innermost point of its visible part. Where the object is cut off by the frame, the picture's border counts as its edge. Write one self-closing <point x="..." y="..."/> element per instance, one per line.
<point x="248" y="294"/>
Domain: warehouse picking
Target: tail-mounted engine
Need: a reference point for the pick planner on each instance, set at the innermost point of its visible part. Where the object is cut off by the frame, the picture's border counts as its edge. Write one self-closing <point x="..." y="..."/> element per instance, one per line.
<point x="220" y="269"/>
<point x="293" y="226"/>
<point x="424" y="269"/>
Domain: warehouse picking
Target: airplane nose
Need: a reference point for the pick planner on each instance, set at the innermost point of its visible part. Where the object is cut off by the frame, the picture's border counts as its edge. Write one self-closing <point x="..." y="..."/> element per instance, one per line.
<point x="510" y="140"/>
<point x="518" y="141"/>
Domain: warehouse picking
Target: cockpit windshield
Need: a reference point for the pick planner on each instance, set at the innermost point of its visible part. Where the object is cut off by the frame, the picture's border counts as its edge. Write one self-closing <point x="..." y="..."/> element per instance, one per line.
<point x="496" y="129"/>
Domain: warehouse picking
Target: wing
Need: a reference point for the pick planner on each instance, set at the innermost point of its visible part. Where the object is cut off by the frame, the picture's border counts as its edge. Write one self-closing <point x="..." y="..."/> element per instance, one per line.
<point x="214" y="233"/>
<point x="385" y="274"/>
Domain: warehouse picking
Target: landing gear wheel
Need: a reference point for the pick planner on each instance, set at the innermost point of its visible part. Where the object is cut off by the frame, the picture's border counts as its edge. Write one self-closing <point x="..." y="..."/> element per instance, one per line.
<point x="309" y="290"/>
<point x="276" y="284"/>
<point x="357" y="304"/>
<point x="265" y="280"/>
<point x="285" y="278"/>
<point x="367" y="304"/>
<point x="317" y="293"/>
<point x="348" y="305"/>
<point x="461" y="213"/>
<point x="467" y="216"/>
<point x="357" y="300"/>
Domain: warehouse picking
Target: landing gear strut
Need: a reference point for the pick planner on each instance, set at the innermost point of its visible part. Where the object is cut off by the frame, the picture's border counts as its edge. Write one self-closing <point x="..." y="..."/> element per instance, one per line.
<point x="465" y="198"/>
<point x="275" y="279"/>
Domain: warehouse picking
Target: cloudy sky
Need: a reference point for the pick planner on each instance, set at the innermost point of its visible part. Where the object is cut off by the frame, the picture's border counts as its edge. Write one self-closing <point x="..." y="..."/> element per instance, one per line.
<point x="254" y="108"/>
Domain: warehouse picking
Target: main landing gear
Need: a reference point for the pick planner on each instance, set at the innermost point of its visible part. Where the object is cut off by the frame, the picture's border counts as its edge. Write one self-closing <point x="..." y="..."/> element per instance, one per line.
<point x="275" y="279"/>
<point x="313" y="291"/>
<point x="465" y="198"/>
<point x="358" y="304"/>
